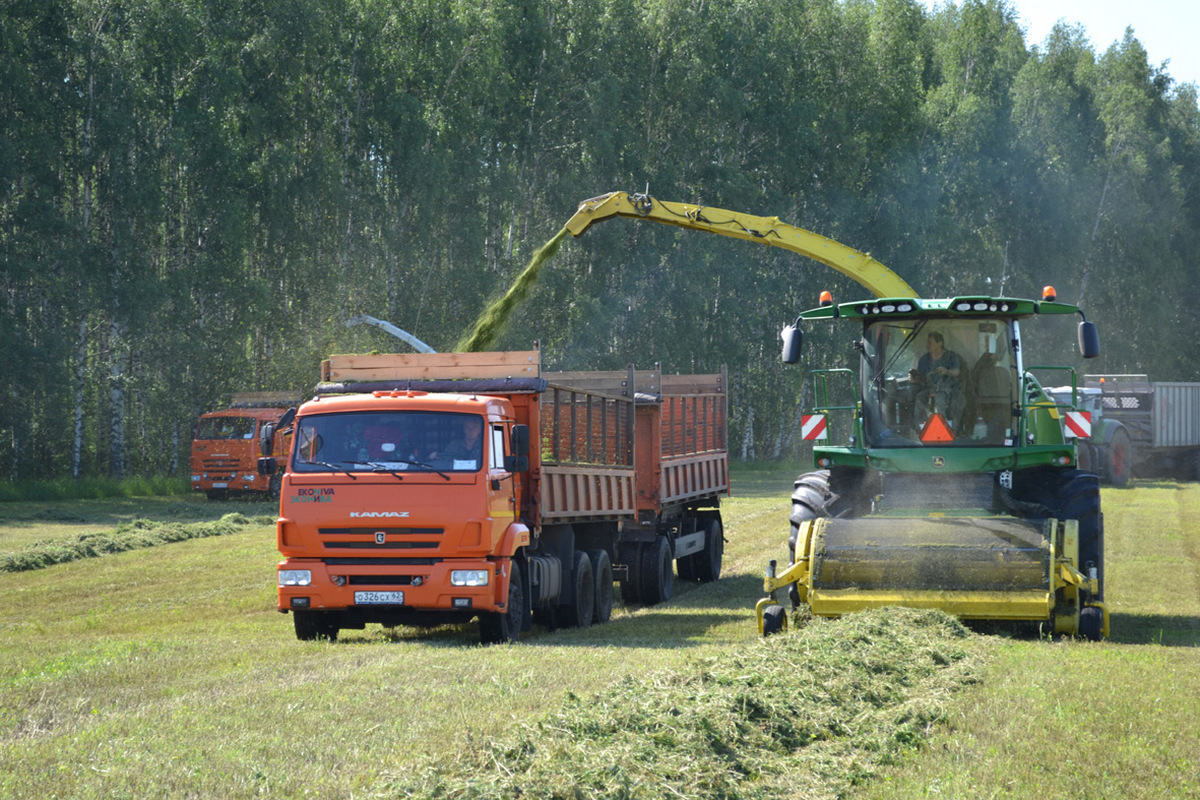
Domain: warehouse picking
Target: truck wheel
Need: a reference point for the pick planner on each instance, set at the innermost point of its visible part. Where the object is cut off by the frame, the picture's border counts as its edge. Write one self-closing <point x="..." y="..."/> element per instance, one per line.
<point x="657" y="573"/>
<point x="631" y="585"/>
<point x="496" y="627"/>
<point x="707" y="563"/>
<point x="603" y="575"/>
<point x="578" y="613"/>
<point x="1119" y="464"/>
<point x="312" y="625"/>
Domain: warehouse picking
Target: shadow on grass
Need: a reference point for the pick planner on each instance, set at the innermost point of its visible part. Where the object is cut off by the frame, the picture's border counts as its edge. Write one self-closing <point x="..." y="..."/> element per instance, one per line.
<point x="1171" y="630"/>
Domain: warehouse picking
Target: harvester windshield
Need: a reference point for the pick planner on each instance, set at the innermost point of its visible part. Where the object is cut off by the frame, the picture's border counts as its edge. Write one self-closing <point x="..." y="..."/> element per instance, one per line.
<point x="961" y="371"/>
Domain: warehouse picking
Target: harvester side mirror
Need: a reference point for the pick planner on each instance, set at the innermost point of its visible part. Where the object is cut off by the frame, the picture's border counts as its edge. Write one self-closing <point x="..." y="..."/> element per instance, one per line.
<point x="792" y="339"/>
<point x="1089" y="339"/>
<point x="266" y="440"/>
<point x="267" y="466"/>
<point x="520" y="442"/>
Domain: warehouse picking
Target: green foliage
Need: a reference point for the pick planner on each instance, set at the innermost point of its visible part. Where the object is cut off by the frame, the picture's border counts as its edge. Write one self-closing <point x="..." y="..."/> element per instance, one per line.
<point x="194" y="198"/>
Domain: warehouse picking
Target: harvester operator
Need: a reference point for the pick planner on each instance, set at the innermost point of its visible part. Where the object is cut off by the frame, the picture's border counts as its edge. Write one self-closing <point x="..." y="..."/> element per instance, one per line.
<point x="936" y="378"/>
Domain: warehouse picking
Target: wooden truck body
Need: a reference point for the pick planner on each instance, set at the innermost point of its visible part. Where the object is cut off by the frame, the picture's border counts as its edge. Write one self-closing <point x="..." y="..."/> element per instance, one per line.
<point x="432" y="488"/>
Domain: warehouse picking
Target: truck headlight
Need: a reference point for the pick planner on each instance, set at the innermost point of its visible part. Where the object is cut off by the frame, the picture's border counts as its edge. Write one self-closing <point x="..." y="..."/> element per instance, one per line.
<point x="468" y="577"/>
<point x="295" y="577"/>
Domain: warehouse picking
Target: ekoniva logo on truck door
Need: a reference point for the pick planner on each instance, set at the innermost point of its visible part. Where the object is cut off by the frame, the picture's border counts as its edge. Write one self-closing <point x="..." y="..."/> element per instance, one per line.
<point x="314" y="495"/>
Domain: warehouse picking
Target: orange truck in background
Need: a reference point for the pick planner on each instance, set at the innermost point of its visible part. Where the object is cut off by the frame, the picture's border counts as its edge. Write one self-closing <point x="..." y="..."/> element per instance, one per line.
<point x="227" y="443"/>
<point x="426" y="489"/>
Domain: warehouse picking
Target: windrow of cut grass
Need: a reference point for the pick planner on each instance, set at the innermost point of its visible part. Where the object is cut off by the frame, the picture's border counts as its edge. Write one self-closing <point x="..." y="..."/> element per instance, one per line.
<point x="128" y="536"/>
<point x="805" y="714"/>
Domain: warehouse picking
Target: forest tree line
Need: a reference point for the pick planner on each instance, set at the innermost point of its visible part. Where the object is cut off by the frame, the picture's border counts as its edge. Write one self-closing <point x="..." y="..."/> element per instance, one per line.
<point x="195" y="195"/>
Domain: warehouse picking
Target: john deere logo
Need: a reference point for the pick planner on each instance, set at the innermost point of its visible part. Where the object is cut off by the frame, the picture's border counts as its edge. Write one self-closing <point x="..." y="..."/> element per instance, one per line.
<point x="939" y="462"/>
<point x="380" y="537"/>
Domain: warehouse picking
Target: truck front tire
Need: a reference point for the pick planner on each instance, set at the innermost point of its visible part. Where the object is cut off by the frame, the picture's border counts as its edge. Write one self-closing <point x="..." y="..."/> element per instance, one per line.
<point x="496" y="627"/>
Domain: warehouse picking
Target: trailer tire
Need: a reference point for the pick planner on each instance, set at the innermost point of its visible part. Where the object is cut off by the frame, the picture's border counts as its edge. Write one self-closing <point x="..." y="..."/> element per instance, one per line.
<point x="496" y="627"/>
<point x="602" y="574"/>
<point x="315" y="625"/>
<point x="579" y="612"/>
<point x="657" y="572"/>
<point x="630" y="554"/>
<point x="706" y="565"/>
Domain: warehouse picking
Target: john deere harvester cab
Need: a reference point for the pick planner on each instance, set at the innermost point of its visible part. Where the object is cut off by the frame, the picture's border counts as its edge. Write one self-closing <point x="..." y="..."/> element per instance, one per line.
<point x="945" y="476"/>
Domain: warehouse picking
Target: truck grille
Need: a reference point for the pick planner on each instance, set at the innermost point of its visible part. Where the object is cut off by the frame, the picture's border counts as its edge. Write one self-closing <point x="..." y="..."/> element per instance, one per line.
<point x="380" y="538"/>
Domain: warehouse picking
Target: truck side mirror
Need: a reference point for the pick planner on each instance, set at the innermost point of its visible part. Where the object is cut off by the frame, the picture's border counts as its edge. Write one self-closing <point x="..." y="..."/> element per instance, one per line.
<point x="267" y="466"/>
<point x="519" y="440"/>
<point x="792" y="339"/>
<point x="266" y="439"/>
<point x="1089" y="339"/>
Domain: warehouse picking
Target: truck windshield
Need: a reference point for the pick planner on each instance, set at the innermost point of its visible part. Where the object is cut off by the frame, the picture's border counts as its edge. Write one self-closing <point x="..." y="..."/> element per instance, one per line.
<point x="225" y="428"/>
<point x="413" y="441"/>
<point x="962" y="369"/>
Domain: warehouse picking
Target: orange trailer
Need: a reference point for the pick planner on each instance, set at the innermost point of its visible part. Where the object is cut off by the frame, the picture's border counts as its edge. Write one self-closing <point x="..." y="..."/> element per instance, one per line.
<point x="424" y="489"/>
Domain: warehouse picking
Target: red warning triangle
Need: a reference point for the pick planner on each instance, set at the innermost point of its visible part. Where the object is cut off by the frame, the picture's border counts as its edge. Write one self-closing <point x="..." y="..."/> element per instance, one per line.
<point x="936" y="429"/>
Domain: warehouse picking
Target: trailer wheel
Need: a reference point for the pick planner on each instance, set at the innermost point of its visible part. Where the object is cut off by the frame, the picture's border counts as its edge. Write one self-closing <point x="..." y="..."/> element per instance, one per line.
<point x="578" y="613"/>
<point x="657" y="573"/>
<point x="603" y="576"/>
<point x="497" y="628"/>
<point x="312" y="625"/>
<point x="630" y="555"/>
<point x="706" y="565"/>
<point x="1119" y="462"/>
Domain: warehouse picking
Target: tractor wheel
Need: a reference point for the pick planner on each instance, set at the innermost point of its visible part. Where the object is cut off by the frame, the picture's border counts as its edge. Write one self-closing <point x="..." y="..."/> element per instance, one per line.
<point x="1119" y="463"/>
<point x="773" y="619"/>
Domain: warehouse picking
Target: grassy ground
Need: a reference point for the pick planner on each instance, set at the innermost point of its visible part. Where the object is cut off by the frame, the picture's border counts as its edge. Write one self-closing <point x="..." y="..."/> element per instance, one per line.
<point x="166" y="672"/>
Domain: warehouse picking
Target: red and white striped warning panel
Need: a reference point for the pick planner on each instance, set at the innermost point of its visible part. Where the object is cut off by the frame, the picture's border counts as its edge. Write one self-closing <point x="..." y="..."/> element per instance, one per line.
<point x="814" y="426"/>
<point x="1079" y="424"/>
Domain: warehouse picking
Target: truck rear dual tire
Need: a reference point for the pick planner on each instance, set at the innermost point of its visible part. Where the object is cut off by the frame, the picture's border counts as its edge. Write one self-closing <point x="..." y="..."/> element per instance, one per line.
<point x="603" y="575"/>
<point x="580" y="612"/>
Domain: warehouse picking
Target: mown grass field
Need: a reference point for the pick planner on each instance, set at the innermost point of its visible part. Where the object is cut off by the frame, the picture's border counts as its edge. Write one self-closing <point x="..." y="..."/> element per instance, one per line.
<point x="165" y="671"/>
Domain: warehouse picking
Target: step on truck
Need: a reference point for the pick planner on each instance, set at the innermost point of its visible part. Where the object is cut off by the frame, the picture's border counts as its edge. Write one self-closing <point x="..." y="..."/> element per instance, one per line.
<point x="227" y="443"/>
<point x="427" y="489"/>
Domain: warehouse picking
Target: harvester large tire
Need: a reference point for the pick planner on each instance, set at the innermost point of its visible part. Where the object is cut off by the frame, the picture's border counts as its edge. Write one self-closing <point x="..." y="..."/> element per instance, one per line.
<point x="1118" y="466"/>
<point x="810" y="499"/>
<point x="1079" y="499"/>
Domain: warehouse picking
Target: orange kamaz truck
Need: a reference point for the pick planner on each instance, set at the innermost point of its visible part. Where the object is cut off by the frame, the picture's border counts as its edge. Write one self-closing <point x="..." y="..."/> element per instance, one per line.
<point x="426" y="489"/>
<point x="227" y="443"/>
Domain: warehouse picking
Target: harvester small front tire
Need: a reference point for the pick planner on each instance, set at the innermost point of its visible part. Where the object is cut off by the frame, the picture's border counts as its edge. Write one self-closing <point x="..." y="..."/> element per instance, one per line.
<point x="657" y="573"/>
<point x="1091" y="623"/>
<point x="602" y="574"/>
<point x="773" y="619"/>
<point x="496" y="627"/>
